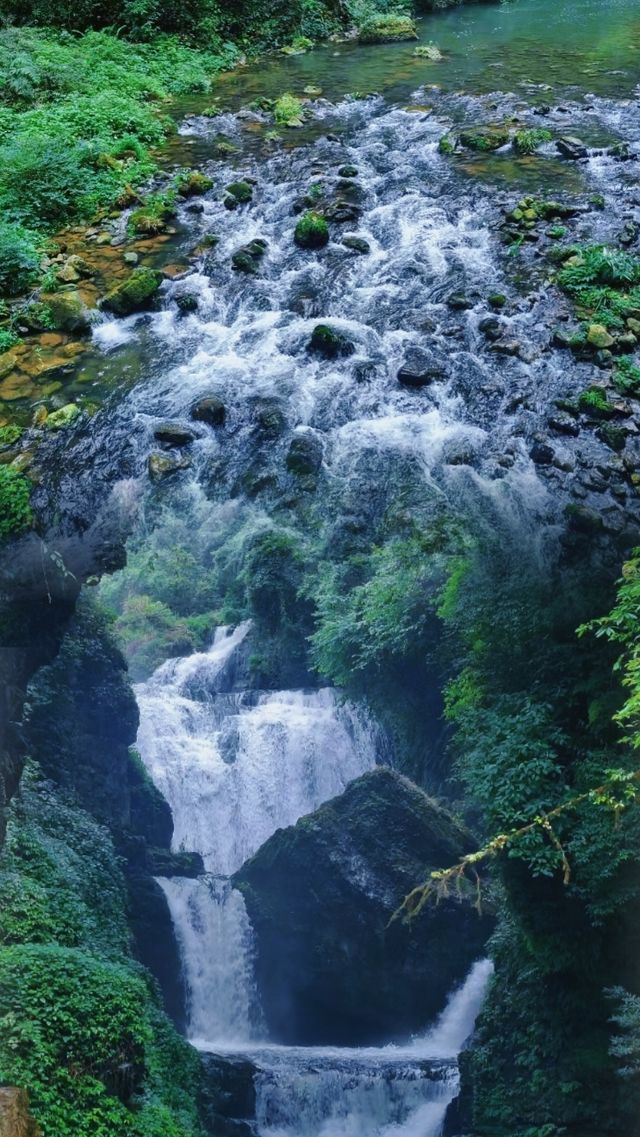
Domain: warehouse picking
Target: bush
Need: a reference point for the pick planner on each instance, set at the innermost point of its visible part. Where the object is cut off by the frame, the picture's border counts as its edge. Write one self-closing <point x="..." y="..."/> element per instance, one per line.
<point x="312" y="231"/>
<point x="387" y="28"/>
<point x="15" y="510"/>
<point x="18" y="258"/>
<point x="43" y="179"/>
<point x="288" y="111"/>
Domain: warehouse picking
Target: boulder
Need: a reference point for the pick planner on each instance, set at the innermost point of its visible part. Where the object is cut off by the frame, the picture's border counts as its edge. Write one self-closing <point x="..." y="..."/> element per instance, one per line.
<point x="541" y="452"/>
<point x="305" y="454"/>
<point x="331" y="967"/>
<point x="329" y="343"/>
<point x="419" y="369"/>
<point x="210" y="410"/>
<point x="187" y="302"/>
<point x="484" y="138"/>
<point x="173" y="434"/>
<point x="248" y="257"/>
<point x="62" y="418"/>
<point x="134" y="293"/>
<point x="312" y="231"/>
<point x="572" y="148"/>
<point x="68" y="312"/>
<point x="162" y="465"/>
<point x="356" y="244"/>
<point x="227" y="1103"/>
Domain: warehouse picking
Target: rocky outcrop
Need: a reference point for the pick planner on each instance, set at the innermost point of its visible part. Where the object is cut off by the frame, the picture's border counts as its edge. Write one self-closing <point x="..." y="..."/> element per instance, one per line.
<point x="331" y="968"/>
<point x="227" y="1097"/>
<point x="15" y="1119"/>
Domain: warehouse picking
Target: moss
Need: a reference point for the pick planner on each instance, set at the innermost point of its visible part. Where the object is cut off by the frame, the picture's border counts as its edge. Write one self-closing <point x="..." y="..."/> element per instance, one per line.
<point x="134" y="293"/>
<point x="154" y="214"/>
<point x="312" y="231"/>
<point x="238" y="193"/>
<point x="594" y="402"/>
<point x="329" y="343"/>
<point x="484" y="138"/>
<point x="428" y="51"/>
<point x="15" y="511"/>
<point x="446" y="145"/>
<point x="528" y="141"/>
<point x="61" y="419"/>
<point x="288" y="111"/>
<point x="387" y="28"/>
<point x="9" y="435"/>
<point x="192" y="182"/>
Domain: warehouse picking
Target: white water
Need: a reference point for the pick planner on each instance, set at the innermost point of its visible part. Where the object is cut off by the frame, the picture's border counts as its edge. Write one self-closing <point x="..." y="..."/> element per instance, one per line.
<point x="235" y="767"/>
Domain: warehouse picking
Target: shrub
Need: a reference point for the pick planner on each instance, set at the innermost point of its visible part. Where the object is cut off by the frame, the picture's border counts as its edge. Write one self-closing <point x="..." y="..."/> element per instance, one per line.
<point x="312" y="231"/>
<point x="288" y="111"/>
<point x="18" y="258"/>
<point x="528" y="141"/>
<point x="387" y="28"/>
<point x="43" y="179"/>
<point x="15" y="510"/>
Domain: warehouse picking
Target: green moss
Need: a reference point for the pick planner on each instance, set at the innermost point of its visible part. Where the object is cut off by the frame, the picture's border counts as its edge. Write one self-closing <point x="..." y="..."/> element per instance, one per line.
<point x="626" y="377"/>
<point x="594" y="402"/>
<point x="9" y="435"/>
<point x="288" y="111"/>
<point x="446" y="145"/>
<point x="192" y="182"/>
<point x="15" y="511"/>
<point x="484" y="138"/>
<point x="385" y="27"/>
<point x="528" y="141"/>
<point x="154" y="214"/>
<point x="134" y="293"/>
<point x="238" y="193"/>
<point x="312" y="231"/>
<point x="62" y="418"/>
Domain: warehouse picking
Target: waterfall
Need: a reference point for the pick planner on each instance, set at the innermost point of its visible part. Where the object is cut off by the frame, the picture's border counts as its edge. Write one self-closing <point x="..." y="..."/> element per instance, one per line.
<point x="234" y="767"/>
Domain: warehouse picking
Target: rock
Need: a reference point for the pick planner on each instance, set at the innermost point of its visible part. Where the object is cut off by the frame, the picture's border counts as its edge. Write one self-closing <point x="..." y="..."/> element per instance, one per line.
<point x="613" y="436"/>
<point x="507" y="347"/>
<point x="238" y="193"/>
<point x="541" y="452"/>
<point x="248" y="257"/>
<point x="419" y="369"/>
<point x="193" y="183"/>
<point x="329" y="343"/>
<point x="583" y="519"/>
<point x="563" y="423"/>
<point x="62" y="418"/>
<point x="162" y="465"/>
<point x="187" y="302"/>
<point x="135" y="293"/>
<point x="348" y="172"/>
<point x="341" y="212"/>
<point x="458" y="302"/>
<point x="497" y="300"/>
<point x="210" y="410"/>
<point x="305" y="454"/>
<point x="15" y="1118"/>
<point x="103" y="239"/>
<point x="598" y="336"/>
<point x="163" y="862"/>
<point x="629" y="233"/>
<point x="228" y="1096"/>
<point x="387" y="28"/>
<point x="312" y="231"/>
<point x="357" y="244"/>
<point x="331" y="968"/>
<point x="270" y="418"/>
<point x="491" y="327"/>
<point x="173" y="434"/>
<point x="130" y="259"/>
<point x="572" y="148"/>
<point x="67" y="312"/>
<point x="484" y="138"/>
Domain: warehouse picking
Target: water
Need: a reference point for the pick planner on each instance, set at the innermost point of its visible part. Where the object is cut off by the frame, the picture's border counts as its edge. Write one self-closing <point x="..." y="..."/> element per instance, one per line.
<point x="234" y="767"/>
<point x="387" y="1091"/>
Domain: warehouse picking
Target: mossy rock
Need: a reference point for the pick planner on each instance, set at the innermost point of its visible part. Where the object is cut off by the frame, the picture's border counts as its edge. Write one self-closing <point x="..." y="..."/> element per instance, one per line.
<point x="247" y="259"/>
<point x="15" y="510"/>
<point x="484" y="138"/>
<point x="193" y="183"/>
<point x="599" y="337"/>
<point x="387" y="28"/>
<point x="62" y="418"/>
<point x="329" y="343"/>
<point x="446" y="145"/>
<point x="312" y="231"/>
<point x="63" y="312"/>
<point x="238" y="193"/>
<point x="133" y="294"/>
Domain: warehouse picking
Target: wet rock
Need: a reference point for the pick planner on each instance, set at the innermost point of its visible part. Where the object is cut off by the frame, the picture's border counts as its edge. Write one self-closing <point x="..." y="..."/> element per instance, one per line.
<point x="305" y="454"/>
<point x="348" y="172"/>
<point x="613" y="436"/>
<point x="193" y="183"/>
<point x="459" y="452"/>
<point x="491" y="327"/>
<point x="131" y="259"/>
<point x="173" y="434"/>
<point x="238" y="193"/>
<point x="484" y="138"/>
<point x="211" y="410"/>
<point x="541" y="452"/>
<point x="330" y="967"/>
<point x="583" y="519"/>
<point x="194" y="207"/>
<point x="598" y="336"/>
<point x="458" y="302"/>
<point x="563" y="423"/>
<point x="270" y="418"/>
<point x="329" y="343"/>
<point x="163" y="465"/>
<point x="312" y="231"/>
<point x="507" y="347"/>
<point x="135" y="293"/>
<point x="63" y="418"/>
<point x="227" y="1102"/>
<point x="341" y="212"/>
<point x="187" y="302"/>
<point x="419" y="370"/>
<point x="629" y="233"/>
<point x="497" y="300"/>
<point x="357" y="244"/>
<point x="163" y="862"/>
<point x="247" y="259"/>
<point x="67" y="312"/>
<point x="572" y="148"/>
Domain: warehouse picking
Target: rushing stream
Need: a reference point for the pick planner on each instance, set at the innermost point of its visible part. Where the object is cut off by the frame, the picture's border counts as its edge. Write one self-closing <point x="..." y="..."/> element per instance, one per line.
<point x="236" y="763"/>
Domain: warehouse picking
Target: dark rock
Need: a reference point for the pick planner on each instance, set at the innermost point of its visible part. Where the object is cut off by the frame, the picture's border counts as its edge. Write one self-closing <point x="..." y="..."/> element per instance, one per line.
<point x="227" y="1101"/>
<point x="629" y="233"/>
<point x="194" y="207"/>
<point x="247" y="259"/>
<point x="358" y="244"/>
<point x="583" y="519"/>
<point x="341" y="212"/>
<point x="572" y="148"/>
<point x="320" y="894"/>
<point x="459" y="302"/>
<point x="162" y="862"/>
<point x="270" y="417"/>
<point x="187" y="302"/>
<point x="419" y="370"/>
<point x="210" y="410"/>
<point x="613" y="436"/>
<point x="173" y="434"/>
<point x="305" y="454"/>
<point x="563" y="423"/>
<point x="542" y="453"/>
<point x="348" y="172"/>
<point x="163" y="465"/>
<point x="135" y="293"/>
<point x="491" y="327"/>
<point x="329" y="343"/>
<point x="507" y="347"/>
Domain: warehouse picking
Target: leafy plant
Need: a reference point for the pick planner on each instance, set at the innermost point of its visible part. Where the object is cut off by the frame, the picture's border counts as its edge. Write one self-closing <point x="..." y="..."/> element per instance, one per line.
<point x="528" y="141"/>
<point x="15" y="510"/>
<point x="288" y="110"/>
<point x="18" y="258"/>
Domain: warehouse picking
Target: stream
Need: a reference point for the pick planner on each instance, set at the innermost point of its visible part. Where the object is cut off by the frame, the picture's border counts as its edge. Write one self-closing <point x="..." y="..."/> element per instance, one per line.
<point x="335" y="446"/>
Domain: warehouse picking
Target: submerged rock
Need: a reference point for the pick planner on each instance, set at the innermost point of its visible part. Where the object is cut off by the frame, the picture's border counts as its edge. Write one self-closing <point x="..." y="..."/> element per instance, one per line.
<point x="173" y="434"/>
<point x="162" y="465"/>
<point x="320" y="894"/>
<point x="357" y="244"/>
<point x="329" y="343"/>
<point x="419" y="369"/>
<point x="305" y="454"/>
<point x="572" y="148"/>
<point x="248" y="257"/>
<point x="210" y="410"/>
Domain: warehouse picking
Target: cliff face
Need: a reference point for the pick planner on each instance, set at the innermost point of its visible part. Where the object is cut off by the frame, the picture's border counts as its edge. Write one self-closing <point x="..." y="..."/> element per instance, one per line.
<point x="331" y="969"/>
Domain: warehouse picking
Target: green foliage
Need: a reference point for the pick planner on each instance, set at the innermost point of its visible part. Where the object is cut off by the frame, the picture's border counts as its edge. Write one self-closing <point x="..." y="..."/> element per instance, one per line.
<point x="381" y="27"/>
<point x="594" y="401"/>
<point x="8" y="339"/>
<point x="15" y="510"/>
<point x="528" y="141"/>
<point x="288" y="111"/>
<point x="620" y="628"/>
<point x="311" y="231"/>
<point x="603" y="282"/>
<point x="18" y="258"/>
<point x="154" y="214"/>
<point x="150" y="632"/>
<point x="10" y="434"/>
<point x="626" y="377"/>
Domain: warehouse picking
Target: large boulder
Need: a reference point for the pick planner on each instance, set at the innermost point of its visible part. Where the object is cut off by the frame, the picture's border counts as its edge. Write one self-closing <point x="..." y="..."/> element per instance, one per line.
<point x="331" y="968"/>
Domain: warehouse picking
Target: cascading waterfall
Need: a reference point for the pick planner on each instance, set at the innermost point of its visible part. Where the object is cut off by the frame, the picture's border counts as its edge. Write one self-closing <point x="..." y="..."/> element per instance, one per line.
<point x="234" y="767"/>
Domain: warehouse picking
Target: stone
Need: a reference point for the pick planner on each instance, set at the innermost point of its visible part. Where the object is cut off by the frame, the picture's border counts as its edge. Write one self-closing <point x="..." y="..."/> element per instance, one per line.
<point x="491" y="327"/>
<point x="131" y="258"/>
<point x="210" y="409"/>
<point x="15" y="1118"/>
<point x="247" y="258"/>
<point x="458" y="302"/>
<point x="356" y="244"/>
<point x="305" y="454"/>
<point x="173" y="434"/>
<point x="331" y="968"/>
<point x="311" y="231"/>
<point x="238" y="193"/>
<point x="348" y="172"/>
<point x="62" y="418"/>
<point x="186" y="303"/>
<point x="164" y="862"/>
<point x="227" y="1101"/>
<point x="507" y="347"/>
<point x="341" y="212"/>
<point x="541" y="452"/>
<point x="563" y="423"/>
<point x="419" y="369"/>
<point x="163" y="465"/>
<point x="329" y="343"/>
<point x="484" y="138"/>
<point x="68" y="312"/>
<point x="598" y="336"/>
<point x="583" y="519"/>
<point x="572" y="148"/>
<point x="103" y="239"/>
<point x="135" y="293"/>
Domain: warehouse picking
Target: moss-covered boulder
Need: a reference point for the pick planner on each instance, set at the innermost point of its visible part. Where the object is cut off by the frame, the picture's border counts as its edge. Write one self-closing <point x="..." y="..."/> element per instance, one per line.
<point x="387" y="27"/>
<point x="484" y="138"/>
<point x="134" y="293"/>
<point x="62" y="418"/>
<point x="247" y="258"/>
<point x="326" y="341"/>
<point x="238" y="193"/>
<point x="320" y="894"/>
<point x="312" y="231"/>
<point x="192" y="182"/>
<point x="60" y="311"/>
